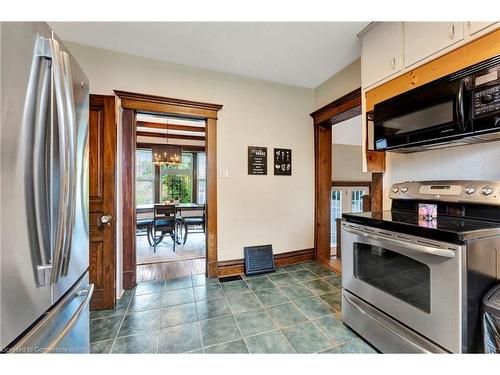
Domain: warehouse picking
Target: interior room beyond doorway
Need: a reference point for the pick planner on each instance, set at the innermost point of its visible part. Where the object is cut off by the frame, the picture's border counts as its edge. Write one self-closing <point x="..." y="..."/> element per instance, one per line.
<point x="170" y="196"/>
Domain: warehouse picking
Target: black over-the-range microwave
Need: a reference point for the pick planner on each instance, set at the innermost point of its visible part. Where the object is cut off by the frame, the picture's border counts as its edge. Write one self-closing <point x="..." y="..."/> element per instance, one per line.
<point x="461" y="108"/>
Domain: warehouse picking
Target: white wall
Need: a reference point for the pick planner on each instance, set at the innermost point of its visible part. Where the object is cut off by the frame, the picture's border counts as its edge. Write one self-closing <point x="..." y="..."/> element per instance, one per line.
<point x="347" y="163"/>
<point x="471" y="162"/>
<point x="251" y="209"/>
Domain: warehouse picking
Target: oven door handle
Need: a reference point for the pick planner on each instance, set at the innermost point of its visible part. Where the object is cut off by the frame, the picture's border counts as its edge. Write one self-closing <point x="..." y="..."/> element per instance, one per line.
<point x="407" y="245"/>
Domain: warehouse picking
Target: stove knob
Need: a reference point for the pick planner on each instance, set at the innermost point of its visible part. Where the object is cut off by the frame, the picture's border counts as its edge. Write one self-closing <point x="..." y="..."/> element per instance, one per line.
<point x="395" y="189"/>
<point x="487" y="190"/>
<point x="404" y="189"/>
<point x="470" y="190"/>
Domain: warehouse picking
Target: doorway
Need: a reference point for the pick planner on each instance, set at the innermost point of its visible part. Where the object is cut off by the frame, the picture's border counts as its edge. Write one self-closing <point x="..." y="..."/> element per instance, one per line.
<point x="134" y="111"/>
<point x="182" y="184"/>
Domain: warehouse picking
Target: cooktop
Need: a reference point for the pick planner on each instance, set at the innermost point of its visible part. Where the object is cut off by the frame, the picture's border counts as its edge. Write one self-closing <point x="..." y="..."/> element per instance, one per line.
<point x="442" y="228"/>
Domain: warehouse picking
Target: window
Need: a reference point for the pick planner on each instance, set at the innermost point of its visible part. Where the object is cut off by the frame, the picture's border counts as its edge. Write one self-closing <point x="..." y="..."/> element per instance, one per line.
<point x="177" y="182"/>
<point x="144" y="177"/>
<point x="201" y="175"/>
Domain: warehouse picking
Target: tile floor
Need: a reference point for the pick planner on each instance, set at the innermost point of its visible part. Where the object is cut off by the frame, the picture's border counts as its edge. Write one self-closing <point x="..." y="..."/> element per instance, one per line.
<point x="294" y="310"/>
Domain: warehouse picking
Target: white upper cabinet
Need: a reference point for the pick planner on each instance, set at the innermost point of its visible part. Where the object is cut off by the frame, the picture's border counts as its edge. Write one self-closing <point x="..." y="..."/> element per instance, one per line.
<point x="382" y="54"/>
<point x="422" y="39"/>
<point x="475" y="27"/>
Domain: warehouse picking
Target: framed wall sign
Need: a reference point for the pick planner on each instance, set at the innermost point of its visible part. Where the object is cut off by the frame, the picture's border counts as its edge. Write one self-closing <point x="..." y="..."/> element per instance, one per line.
<point x="257" y="160"/>
<point x="282" y="162"/>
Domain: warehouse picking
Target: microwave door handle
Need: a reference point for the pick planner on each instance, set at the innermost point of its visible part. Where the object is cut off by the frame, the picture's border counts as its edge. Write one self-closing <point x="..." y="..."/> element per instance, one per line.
<point x="419" y="248"/>
<point x="459" y="106"/>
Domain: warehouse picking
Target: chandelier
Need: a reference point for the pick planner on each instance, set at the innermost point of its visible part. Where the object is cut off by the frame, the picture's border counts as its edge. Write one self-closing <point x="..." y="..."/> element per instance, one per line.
<point x="170" y="155"/>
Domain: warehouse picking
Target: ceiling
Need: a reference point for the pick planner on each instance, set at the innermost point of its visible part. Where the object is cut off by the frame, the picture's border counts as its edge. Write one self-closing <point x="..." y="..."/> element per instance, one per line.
<point x="302" y="54"/>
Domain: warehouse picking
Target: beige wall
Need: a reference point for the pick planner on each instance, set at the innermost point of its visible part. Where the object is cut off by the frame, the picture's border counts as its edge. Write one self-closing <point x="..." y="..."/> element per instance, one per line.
<point x="345" y="81"/>
<point x="252" y="210"/>
<point x="347" y="163"/>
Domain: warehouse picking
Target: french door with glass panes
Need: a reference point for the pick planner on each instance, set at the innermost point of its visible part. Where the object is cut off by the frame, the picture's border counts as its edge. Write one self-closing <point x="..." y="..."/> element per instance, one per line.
<point x="345" y="199"/>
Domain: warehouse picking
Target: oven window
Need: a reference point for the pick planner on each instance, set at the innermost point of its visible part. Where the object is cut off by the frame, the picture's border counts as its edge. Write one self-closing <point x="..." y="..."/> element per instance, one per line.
<point x="393" y="273"/>
<point x="428" y="117"/>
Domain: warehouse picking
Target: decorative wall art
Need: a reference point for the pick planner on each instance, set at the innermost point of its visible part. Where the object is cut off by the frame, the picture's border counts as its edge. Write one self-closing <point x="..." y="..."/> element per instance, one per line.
<point x="257" y="160"/>
<point x="282" y="162"/>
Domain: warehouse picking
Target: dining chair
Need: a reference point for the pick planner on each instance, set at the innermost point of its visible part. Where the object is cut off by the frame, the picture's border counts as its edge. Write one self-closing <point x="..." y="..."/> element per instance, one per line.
<point x="164" y="220"/>
<point x="194" y="221"/>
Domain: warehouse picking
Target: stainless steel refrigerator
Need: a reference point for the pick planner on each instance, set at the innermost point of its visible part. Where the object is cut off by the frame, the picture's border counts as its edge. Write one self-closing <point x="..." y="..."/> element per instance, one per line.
<point x="44" y="253"/>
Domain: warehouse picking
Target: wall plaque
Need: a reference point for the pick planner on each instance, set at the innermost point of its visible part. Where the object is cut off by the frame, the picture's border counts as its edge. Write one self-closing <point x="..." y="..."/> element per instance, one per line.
<point x="282" y="162"/>
<point x="257" y="160"/>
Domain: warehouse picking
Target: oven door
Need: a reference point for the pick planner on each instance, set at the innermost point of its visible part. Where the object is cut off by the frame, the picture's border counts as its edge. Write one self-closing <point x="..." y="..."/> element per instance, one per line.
<point x="430" y="114"/>
<point x="414" y="280"/>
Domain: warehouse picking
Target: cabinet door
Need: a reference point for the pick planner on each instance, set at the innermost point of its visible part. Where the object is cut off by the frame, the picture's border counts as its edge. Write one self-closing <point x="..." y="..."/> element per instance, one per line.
<point x="382" y="52"/>
<point x="423" y="39"/>
<point x="475" y="27"/>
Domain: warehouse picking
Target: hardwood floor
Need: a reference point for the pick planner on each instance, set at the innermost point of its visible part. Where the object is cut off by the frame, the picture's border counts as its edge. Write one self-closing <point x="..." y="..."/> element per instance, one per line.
<point x="170" y="270"/>
<point x="194" y="248"/>
<point x="334" y="264"/>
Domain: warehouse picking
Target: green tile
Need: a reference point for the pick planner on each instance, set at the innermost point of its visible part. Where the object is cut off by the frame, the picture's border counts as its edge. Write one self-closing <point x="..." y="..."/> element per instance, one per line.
<point x="212" y="308"/>
<point x="180" y="339"/>
<point x="320" y="286"/>
<point x="140" y="321"/>
<point x="105" y="328"/>
<point x="270" y="297"/>
<point x="314" y="307"/>
<point x="335" y="329"/>
<point x="352" y="347"/>
<point x="199" y="280"/>
<point x="181" y="314"/>
<point x="333" y="299"/>
<point x="180" y="283"/>
<point x="296" y="291"/>
<point x="233" y="288"/>
<point x="233" y="347"/>
<point x="270" y="342"/>
<point x="306" y="338"/>
<point x="260" y="283"/>
<point x="149" y="287"/>
<point x="146" y="302"/>
<point x="101" y="347"/>
<point x="294" y="267"/>
<point x="286" y="314"/>
<point x="254" y="322"/>
<point x="144" y="343"/>
<point x="177" y="297"/>
<point x="336" y="281"/>
<point x="304" y="275"/>
<point x="219" y="330"/>
<point x="97" y="314"/>
<point x="283" y="279"/>
<point x="319" y="270"/>
<point x="243" y="302"/>
<point x="207" y="292"/>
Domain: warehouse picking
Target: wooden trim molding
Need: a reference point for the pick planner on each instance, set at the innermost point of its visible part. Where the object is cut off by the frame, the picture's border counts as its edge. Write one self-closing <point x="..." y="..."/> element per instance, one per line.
<point x="187" y="148"/>
<point x="160" y="104"/>
<point x="175" y="127"/>
<point x="133" y="103"/>
<point x="343" y="108"/>
<point x="237" y="267"/>
<point x="200" y="138"/>
<point x="368" y="184"/>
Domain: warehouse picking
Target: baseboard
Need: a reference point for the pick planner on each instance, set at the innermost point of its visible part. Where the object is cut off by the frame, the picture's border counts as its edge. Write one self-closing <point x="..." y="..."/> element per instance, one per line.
<point x="236" y="267"/>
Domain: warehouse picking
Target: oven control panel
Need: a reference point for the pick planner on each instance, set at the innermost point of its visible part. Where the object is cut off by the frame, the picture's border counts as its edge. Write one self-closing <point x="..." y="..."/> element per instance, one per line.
<point x="482" y="192"/>
<point x="487" y="101"/>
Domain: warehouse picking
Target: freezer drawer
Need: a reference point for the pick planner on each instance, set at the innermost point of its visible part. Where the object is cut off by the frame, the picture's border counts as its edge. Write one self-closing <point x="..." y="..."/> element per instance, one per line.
<point x="63" y="329"/>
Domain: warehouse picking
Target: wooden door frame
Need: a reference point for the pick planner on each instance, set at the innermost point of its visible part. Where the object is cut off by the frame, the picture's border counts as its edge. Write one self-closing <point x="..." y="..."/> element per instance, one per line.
<point x="102" y="266"/>
<point x="132" y="103"/>
<point x="344" y="108"/>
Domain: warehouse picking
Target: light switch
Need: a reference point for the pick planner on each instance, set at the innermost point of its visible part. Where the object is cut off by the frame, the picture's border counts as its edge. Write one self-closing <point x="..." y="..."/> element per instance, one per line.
<point x="224" y="173"/>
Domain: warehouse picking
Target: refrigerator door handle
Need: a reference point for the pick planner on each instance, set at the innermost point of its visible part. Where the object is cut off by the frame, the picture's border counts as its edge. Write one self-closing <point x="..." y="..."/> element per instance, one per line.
<point x="87" y="293"/>
<point x="71" y="136"/>
<point x="60" y="223"/>
<point x="40" y="92"/>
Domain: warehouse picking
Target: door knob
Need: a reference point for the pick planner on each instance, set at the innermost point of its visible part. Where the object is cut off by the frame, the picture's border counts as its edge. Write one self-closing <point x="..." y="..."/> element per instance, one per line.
<point x="106" y="220"/>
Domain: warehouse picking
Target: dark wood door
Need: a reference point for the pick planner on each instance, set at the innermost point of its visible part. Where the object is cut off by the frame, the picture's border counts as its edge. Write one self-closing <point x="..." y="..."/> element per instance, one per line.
<point x="102" y="165"/>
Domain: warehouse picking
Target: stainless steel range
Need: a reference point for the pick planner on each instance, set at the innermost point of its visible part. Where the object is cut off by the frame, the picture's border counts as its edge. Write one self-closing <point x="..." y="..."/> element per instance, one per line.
<point x="413" y="277"/>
